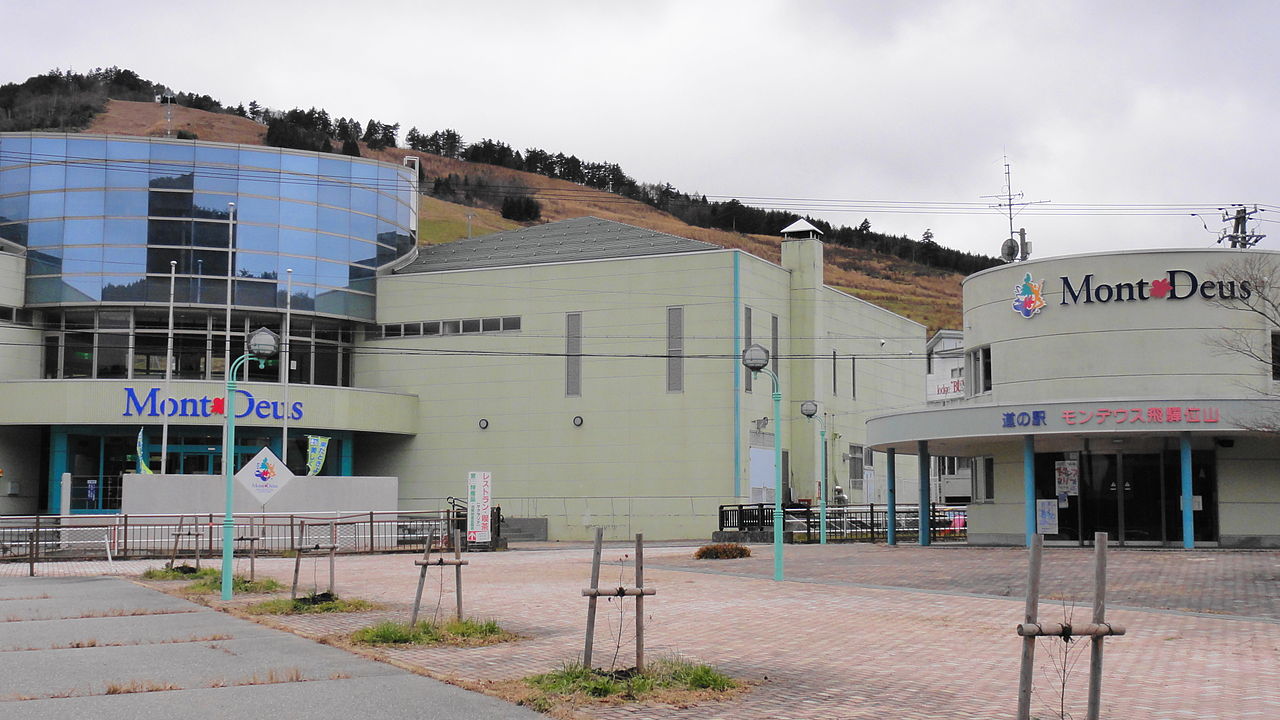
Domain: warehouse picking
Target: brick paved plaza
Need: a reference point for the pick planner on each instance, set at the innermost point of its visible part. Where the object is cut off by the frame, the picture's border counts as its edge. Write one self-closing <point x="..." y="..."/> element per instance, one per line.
<point x="862" y="631"/>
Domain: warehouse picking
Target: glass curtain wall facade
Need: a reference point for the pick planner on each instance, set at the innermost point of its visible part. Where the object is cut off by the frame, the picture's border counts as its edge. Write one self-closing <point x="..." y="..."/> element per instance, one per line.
<point x="103" y="217"/>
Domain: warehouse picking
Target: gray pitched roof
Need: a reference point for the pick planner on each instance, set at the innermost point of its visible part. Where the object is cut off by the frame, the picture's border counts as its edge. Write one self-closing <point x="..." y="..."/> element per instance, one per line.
<point x="584" y="238"/>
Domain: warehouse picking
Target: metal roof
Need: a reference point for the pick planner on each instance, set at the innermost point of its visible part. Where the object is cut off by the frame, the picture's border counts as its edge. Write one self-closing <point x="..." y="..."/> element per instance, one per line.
<point x="800" y="226"/>
<point x="584" y="238"/>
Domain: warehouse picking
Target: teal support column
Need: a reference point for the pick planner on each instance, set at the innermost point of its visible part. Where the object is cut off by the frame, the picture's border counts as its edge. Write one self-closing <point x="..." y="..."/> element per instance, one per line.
<point x="1188" y="509"/>
<point x="891" y="485"/>
<point x="778" y="518"/>
<point x="922" y="458"/>
<point x="348" y="454"/>
<point x="1029" y="485"/>
<point x="57" y="466"/>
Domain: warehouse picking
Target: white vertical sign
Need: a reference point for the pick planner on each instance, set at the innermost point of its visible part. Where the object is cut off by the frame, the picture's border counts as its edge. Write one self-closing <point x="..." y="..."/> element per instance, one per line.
<point x="1047" y="516"/>
<point x="479" y="504"/>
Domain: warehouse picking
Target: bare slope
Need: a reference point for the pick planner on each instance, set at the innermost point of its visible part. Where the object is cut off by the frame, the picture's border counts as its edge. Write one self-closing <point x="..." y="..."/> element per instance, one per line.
<point x="923" y="294"/>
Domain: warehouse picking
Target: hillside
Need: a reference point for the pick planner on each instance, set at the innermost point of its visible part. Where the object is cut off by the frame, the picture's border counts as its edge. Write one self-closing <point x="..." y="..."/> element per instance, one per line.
<point x="924" y="294"/>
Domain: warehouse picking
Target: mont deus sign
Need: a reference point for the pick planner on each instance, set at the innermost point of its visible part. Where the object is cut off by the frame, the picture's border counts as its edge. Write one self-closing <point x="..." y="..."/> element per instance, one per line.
<point x="1028" y="296"/>
<point x="151" y="404"/>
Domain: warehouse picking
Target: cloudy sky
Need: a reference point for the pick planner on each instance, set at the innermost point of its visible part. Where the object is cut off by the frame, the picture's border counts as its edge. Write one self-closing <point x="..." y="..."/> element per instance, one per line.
<point x="890" y="111"/>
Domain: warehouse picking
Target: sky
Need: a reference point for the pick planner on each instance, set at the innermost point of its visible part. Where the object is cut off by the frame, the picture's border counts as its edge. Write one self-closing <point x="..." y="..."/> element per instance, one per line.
<point x="900" y="113"/>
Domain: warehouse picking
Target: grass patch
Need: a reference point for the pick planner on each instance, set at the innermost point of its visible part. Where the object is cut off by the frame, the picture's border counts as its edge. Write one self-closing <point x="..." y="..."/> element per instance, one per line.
<point x="322" y="603"/>
<point x="180" y="572"/>
<point x="212" y="583"/>
<point x="666" y="681"/>
<point x="468" y="632"/>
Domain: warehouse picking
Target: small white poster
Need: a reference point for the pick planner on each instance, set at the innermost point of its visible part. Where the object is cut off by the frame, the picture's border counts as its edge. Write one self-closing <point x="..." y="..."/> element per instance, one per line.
<point x="264" y="475"/>
<point x="479" y="504"/>
<point x="1066" y="477"/>
<point x="1047" y="516"/>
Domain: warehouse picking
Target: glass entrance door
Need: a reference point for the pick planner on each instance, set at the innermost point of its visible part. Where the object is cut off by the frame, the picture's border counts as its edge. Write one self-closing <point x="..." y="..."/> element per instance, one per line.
<point x="1136" y="497"/>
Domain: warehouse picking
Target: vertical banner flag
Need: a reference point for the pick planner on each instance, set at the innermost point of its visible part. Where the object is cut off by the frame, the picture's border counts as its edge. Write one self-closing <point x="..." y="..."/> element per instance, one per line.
<point x="317" y="447"/>
<point x="142" y="457"/>
<point x="479" y="503"/>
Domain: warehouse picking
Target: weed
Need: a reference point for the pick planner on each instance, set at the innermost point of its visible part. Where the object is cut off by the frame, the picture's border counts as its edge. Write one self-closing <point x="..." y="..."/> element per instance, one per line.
<point x="308" y="604"/>
<point x="139" y="686"/>
<point x="212" y="583"/>
<point x="662" y="677"/>
<point x="722" y="551"/>
<point x="455" y="632"/>
<point x="181" y="572"/>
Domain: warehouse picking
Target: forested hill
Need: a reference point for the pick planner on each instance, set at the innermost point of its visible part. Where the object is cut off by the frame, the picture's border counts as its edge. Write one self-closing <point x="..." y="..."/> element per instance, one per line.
<point x="917" y="278"/>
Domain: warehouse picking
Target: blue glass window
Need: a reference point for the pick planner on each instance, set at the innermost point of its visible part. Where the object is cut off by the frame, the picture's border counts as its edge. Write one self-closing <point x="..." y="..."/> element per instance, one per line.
<point x="169" y="232"/>
<point x="126" y="203"/>
<point x="85" y="202"/>
<point x="304" y="268"/>
<point x="333" y="193"/>
<point x="45" y="233"/>
<point x="177" y="153"/>
<point x="86" y="163"/>
<point x="169" y="204"/>
<point x="44" y="290"/>
<point x="211" y="234"/>
<point x="257" y="265"/>
<point x="46" y="205"/>
<point x="298" y="215"/>
<point x="82" y="288"/>
<point x="258" y="210"/>
<point x="259" y="182"/>
<point x="82" y="259"/>
<point x="362" y="226"/>
<point x="255" y="294"/>
<point x="268" y="159"/>
<point x="331" y="274"/>
<point x="255" y="237"/>
<point x="332" y="221"/>
<point x="209" y="263"/>
<point x="84" y="231"/>
<point x="123" y="288"/>
<point x="44" y="262"/>
<point x="364" y="200"/>
<point x="360" y="306"/>
<point x="298" y="242"/>
<point x="15" y="180"/>
<point x="364" y="253"/>
<point x="333" y="302"/>
<point x="210" y="206"/>
<point x="330" y="247"/>
<point x="206" y="155"/>
<point x="122" y="232"/>
<point x="49" y="150"/>
<point x="13" y="208"/>
<point x="125" y="260"/>
<point x="17" y="151"/>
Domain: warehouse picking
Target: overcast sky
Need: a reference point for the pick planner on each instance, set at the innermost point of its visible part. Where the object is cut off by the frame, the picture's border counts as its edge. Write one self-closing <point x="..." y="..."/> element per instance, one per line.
<point x="1125" y="103"/>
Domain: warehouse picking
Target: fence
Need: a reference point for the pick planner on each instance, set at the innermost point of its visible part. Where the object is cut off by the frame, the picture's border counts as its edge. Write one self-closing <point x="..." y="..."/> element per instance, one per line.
<point x="850" y="523"/>
<point x="47" y="538"/>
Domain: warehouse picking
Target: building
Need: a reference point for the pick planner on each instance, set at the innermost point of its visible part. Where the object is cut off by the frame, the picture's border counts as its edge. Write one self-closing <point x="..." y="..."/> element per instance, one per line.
<point x="592" y="367"/>
<point x="1130" y="393"/>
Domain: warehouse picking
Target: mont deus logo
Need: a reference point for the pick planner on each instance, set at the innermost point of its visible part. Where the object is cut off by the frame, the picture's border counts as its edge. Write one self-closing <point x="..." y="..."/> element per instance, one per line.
<point x="1028" y="298"/>
<point x="152" y="405"/>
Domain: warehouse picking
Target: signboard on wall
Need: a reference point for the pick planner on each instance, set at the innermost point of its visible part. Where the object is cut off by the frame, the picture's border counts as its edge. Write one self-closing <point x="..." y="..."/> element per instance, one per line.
<point x="264" y="475"/>
<point x="1047" y="516"/>
<point x="1066" y="477"/>
<point x="479" y="505"/>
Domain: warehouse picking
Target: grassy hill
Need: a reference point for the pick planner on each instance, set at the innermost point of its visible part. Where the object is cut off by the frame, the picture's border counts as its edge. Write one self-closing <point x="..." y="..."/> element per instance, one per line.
<point x="922" y="293"/>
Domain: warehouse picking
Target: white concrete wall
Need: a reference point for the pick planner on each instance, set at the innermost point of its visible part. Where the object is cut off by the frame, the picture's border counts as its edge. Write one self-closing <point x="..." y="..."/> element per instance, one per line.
<point x="170" y="494"/>
<point x="1249" y="493"/>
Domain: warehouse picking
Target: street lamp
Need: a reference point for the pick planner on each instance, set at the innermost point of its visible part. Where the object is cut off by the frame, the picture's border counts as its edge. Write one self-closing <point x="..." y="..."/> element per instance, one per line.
<point x="809" y="409"/>
<point x="756" y="359"/>
<point x="263" y="344"/>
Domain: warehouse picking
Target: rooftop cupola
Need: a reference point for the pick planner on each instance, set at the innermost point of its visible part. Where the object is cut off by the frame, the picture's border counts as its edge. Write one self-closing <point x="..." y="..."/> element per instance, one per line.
<point x="801" y="230"/>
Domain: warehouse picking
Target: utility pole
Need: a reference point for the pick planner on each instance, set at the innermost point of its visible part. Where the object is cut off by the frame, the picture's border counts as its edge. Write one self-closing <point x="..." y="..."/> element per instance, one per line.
<point x="1240" y="237"/>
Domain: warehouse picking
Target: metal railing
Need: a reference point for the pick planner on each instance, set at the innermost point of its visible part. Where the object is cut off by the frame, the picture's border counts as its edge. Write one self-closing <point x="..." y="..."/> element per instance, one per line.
<point x="850" y="523"/>
<point x="47" y="538"/>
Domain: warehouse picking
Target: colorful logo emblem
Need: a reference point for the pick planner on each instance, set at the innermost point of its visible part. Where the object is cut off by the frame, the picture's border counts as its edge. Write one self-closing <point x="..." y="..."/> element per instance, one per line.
<point x="266" y="470"/>
<point x="1027" y="299"/>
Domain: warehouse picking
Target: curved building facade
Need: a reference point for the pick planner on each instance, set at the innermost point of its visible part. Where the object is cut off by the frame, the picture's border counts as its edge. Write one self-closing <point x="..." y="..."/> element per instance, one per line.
<point x="100" y="230"/>
<point x="1128" y="392"/>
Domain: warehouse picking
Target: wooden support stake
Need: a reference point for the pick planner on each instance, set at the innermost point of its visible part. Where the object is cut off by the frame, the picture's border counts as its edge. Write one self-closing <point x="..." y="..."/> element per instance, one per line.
<point x="457" y="571"/>
<point x="1092" y="630"/>
<point x="297" y="559"/>
<point x="1099" y="617"/>
<point x="422" y="577"/>
<point x="591" y="603"/>
<point x="640" y="603"/>
<point x="1029" y="642"/>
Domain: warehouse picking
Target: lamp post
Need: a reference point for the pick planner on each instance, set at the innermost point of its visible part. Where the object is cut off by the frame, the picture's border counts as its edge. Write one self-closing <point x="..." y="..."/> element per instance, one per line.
<point x="756" y="359"/>
<point x="809" y="409"/>
<point x="263" y="344"/>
